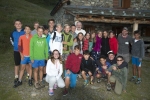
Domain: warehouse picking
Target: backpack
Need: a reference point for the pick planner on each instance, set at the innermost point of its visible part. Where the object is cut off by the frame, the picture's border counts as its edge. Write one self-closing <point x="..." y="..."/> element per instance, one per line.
<point x="54" y="36"/>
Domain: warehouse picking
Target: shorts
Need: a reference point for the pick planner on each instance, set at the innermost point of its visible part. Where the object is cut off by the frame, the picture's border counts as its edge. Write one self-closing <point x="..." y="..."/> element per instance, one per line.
<point x="64" y="56"/>
<point x="136" y="61"/>
<point x="38" y="63"/>
<point x="26" y="60"/>
<point x="17" y="58"/>
<point x="73" y="78"/>
<point x="86" y="71"/>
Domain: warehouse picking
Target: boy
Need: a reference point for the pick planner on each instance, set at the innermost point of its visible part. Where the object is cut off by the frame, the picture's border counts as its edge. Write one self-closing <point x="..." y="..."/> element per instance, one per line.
<point x="14" y="38"/>
<point x="118" y="79"/>
<point x="38" y="55"/>
<point x="72" y="68"/>
<point x="73" y="29"/>
<point x="23" y="45"/>
<point x="67" y="41"/>
<point x="36" y="25"/>
<point x="51" y="24"/>
<point x="137" y="55"/>
<point x="56" y="40"/>
<point x="102" y="70"/>
<point x="111" y="58"/>
<point x="87" y="67"/>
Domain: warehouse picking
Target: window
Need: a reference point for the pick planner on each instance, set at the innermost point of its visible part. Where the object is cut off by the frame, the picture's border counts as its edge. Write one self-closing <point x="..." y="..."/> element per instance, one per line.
<point x="121" y="4"/>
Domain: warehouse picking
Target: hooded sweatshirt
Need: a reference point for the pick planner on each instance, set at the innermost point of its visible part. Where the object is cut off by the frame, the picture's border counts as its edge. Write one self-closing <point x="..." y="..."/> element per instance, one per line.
<point x="97" y="46"/>
<point x="38" y="48"/>
<point x="113" y="43"/>
<point x="105" y="46"/>
<point x="56" y="43"/>
<point x="73" y="62"/>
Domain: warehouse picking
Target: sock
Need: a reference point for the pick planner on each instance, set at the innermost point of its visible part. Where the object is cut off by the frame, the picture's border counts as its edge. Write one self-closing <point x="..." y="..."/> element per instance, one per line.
<point x="19" y="80"/>
<point x="29" y="78"/>
<point x="16" y="76"/>
<point x="27" y="74"/>
<point x="44" y="75"/>
<point x="139" y="78"/>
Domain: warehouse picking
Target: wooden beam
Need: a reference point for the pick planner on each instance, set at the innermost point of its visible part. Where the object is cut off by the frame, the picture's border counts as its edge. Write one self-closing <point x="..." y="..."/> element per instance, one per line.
<point x="86" y="19"/>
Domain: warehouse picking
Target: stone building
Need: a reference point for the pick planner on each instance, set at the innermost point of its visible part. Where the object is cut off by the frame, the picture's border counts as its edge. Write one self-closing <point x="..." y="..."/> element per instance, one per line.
<point x="105" y="14"/>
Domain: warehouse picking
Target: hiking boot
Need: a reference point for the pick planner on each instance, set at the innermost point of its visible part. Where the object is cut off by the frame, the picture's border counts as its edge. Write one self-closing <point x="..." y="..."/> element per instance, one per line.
<point x="99" y="80"/>
<point x="55" y="86"/>
<point x="37" y="86"/>
<point x="108" y="86"/>
<point x="17" y="84"/>
<point x="51" y="92"/>
<point x="138" y="82"/>
<point x="42" y="85"/>
<point x="16" y="80"/>
<point x="30" y="82"/>
<point x="65" y="92"/>
<point x="132" y="79"/>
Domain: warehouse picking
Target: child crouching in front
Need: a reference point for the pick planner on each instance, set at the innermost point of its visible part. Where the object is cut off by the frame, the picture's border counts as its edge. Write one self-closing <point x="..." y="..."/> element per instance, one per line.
<point x="54" y="71"/>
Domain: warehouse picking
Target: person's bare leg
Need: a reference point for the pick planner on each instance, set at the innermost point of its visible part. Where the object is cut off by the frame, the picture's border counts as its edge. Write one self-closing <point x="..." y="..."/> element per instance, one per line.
<point x="36" y="75"/>
<point x="23" y="66"/>
<point x="134" y="70"/>
<point x="16" y="71"/>
<point x="67" y="82"/>
<point x="83" y="75"/>
<point x="108" y="75"/>
<point x="139" y="72"/>
<point x="44" y="70"/>
<point x="41" y="73"/>
<point x="27" y="69"/>
<point x="30" y="71"/>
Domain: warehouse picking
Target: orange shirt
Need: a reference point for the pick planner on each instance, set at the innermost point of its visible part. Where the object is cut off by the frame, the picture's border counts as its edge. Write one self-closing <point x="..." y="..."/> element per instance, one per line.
<point x="24" y="44"/>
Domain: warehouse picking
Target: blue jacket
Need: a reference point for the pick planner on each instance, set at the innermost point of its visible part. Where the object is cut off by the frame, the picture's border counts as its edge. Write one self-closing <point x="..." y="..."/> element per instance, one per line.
<point x="48" y="40"/>
<point x="14" y="38"/>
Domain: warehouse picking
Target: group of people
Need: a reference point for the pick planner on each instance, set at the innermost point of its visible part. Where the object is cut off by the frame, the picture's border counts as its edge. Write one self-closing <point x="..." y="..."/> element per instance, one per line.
<point x="50" y="49"/>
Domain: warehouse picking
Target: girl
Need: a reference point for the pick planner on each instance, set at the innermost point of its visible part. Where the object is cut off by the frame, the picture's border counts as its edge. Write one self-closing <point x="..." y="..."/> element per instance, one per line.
<point x="113" y="43"/>
<point x="97" y="47"/>
<point x="86" y="42"/>
<point x="92" y="41"/>
<point x="54" y="71"/>
<point x="105" y="44"/>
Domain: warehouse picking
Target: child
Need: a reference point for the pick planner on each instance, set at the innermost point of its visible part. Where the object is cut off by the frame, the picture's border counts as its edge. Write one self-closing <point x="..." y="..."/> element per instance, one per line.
<point x="97" y="48"/>
<point x="137" y="55"/>
<point x="105" y="44"/>
<point x="23" y="45"/>
<point x="118" y="79"/>
<point x="79" y="28"/>
<point x="36" y="25"/>
<point x="86" y="42"/>
<point x="103" y="70"/>
<point x="54" y="71"/>
<point x="111" y="58"/>
<point x="51" y="24"/>
<point x="113" y="42"/>
<point x="72" y="68"/>
<point x="87" y="67"/>
<point x="92" y="41"/>
<point x="67" y="42"/>
<point x="14" y="38"/>
<point x="73" y="29"/>
<point x="38" y="55"/>
<point x="56" y="40"/>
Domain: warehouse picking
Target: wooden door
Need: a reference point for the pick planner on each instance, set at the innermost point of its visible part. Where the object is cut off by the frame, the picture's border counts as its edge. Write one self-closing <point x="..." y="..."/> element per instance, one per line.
<point x="126" y="4"/>
<point x="117" y="30"/>
<point x="89" y="28"/>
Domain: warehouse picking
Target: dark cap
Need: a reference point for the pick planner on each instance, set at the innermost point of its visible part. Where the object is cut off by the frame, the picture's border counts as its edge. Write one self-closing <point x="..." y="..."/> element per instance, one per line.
<point x="125" y="28"/>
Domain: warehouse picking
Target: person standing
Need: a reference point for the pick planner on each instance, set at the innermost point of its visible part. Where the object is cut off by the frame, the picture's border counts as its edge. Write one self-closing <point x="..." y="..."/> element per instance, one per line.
<point x="36" y="25"/>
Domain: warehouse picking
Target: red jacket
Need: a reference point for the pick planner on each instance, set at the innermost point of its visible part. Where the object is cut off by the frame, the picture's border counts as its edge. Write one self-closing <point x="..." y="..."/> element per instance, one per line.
<point x="113" y="43"/>
<point x="85" y="44"/>
<point x="73" y="62"/>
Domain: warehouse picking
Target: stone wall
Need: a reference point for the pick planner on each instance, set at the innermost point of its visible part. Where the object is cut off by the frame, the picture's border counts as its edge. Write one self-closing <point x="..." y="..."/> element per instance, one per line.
<point x="140" y="4"/>
<point x="99" y="3"/>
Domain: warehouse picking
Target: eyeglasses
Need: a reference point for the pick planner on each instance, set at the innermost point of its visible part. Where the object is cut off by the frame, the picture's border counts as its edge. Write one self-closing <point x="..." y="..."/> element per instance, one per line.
<point x="119" y="60"/>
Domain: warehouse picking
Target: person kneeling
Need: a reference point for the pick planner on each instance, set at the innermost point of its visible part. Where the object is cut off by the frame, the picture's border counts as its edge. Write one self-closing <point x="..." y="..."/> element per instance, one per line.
<point x="54" y="71"/>
<point x="87" y="67"/>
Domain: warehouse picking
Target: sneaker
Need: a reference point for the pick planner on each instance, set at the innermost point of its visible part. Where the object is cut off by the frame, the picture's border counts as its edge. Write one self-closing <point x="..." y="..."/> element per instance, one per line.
<point x="55" y="86"/>
<point x="108" y="86"/>
<point x="51" y="92"/>
<point x="42" y="85"/>
<point x="65" y="92"/>
<point x="18" y="83"/>
<point x="16" y="80"/>
<point x="91" y="82"/>
<point x="85" y="83"/>
<point x="30" y="82"/>
<point x="132" y="79"/>
<point x="99" y="80"/>
<point x="138" y="82"/>
<point x="79" y="76"/>
<point x="37" y="86"/>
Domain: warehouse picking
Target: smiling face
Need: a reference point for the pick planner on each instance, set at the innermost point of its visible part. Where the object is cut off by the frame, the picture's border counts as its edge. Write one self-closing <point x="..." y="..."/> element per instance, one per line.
<point x="93" y="35"/>
<point x="73" y="29"/>
<point x="40" y="32"/>
<point x="99" y="34"/>
<point x="56" y="54"/>
<point x="86" y="57"/>
<point x="111" y="35"/>
<point x="103" y="61"/>
<point x="87" y="36"/>
<point x="27" y="30"/>
<point x="18" y="25"/>
<point x="119" y="61"/>
<point x="67" y="29"/>
<point x="111" y="56"/>
<point x="36" y="25"/>
<point x="51" y="24"/>
<point x="80" y="36"/>
<point x="105" y="34"/>
<point x="124" y="32"/>
<point x="79" y="26"/>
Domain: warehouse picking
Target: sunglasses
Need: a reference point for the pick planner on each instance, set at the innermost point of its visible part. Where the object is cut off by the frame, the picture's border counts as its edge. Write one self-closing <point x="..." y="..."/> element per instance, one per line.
<point x="119" y="60"/>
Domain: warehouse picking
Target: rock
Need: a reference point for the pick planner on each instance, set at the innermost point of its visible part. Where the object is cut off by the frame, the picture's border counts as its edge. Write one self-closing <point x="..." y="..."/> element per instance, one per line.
<point x="33" y="94"/>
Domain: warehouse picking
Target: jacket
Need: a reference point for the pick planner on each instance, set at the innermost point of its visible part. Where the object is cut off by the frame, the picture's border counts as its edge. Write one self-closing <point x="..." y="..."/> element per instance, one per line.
<point x="73" y="62"/>
<point x="105" y="46"/>
<point x="14" y="38"/>
<point x="138" y="49"/>
<point x="69" y="39"/>
<point x="38" y="48"/>
<point x="113" y="43"/>
<point x="85" y="44"/>
<point x="24" y="44"/>
<point x="54" y="69"/>
<point x="114" y="61"/>
<point x="97" y="46"/>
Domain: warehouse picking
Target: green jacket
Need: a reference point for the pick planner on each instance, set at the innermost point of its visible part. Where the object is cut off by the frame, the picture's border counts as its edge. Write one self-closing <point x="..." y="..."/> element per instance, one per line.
<point x="67" y="38"/>
<point x="38" y="48"/>
<point x="121" y="75"/>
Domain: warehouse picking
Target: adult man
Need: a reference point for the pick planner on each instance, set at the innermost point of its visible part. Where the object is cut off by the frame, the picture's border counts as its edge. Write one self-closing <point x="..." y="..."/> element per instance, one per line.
<point x="79" y="28"/>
